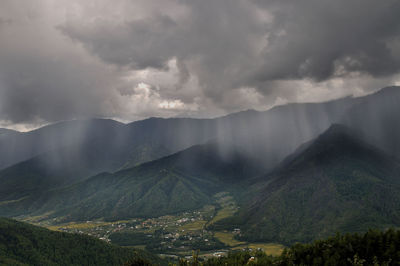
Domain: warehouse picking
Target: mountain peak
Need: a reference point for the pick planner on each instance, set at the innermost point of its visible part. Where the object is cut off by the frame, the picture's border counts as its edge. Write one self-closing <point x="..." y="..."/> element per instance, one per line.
<point x="338" y="134"/>
<point x="389" y="89"/>
<point x="338" y="141"/>
<point x="335" y="131"/>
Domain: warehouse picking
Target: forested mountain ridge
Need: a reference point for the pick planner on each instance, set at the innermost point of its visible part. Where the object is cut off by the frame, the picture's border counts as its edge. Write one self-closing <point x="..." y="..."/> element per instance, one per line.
<point x="337" y="183"/>
<point x="68" y="152"/>
<point x="184" y="181"/>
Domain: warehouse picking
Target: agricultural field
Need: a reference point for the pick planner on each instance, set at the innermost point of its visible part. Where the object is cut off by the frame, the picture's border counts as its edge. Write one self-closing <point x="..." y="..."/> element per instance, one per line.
<point x="228" y="239"/>
<point x="171" y="235"/>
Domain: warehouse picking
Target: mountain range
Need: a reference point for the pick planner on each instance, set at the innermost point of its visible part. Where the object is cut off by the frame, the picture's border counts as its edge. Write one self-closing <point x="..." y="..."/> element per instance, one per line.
<point x="184" y="181"/>
<point x="298" y="171"/>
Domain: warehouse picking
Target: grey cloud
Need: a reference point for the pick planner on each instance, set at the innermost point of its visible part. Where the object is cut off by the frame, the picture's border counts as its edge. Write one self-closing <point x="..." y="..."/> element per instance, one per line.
<point x="214" y="41"/>
<point x="49" y="90"/>
<point x="138" y="44"/>
<point x="321" y="39"/>
<point x="72" y="59"/>
<point x="42" y="77"/>
<point x="228" y="45"/>
<point x="5" y="21"/>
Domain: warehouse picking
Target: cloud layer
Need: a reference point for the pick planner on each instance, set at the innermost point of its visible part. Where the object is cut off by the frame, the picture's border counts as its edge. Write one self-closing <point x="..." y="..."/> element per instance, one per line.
<point x="134" y="59"/>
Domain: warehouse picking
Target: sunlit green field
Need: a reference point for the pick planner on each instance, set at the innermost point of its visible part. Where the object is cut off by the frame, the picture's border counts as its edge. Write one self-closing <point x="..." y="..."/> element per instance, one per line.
<point x="83" y="225"/>
<point x="227" y="239"/>
<point x="194" y="226"/>
<point x="268" y="248"/>
<point x="227" y="207"/>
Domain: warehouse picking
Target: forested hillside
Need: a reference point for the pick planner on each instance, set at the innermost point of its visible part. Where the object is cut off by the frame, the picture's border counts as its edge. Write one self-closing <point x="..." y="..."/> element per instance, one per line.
<point x="25" y="244"/>
<point x="371" y="248"/>
<point x="337" y="183"/>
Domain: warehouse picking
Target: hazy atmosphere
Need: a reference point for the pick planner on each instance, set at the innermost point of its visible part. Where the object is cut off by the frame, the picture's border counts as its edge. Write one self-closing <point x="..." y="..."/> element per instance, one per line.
<point x="130" y="60"/>
<point x="200" y="132"/>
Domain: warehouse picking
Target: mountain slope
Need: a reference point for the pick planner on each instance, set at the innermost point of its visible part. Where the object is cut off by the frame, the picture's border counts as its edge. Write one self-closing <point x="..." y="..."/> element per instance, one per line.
<point x="23" y="146"/>
<point x="70" y="152"/>
<point x="54" y="169"/>
<point x="378" y="117"/>
<point x="275" y="133"/>
<point x="183" y="181"/>
<point x="337" y="183"/>
<point x="175" y="134"/>
<point x="5" y="132"/>
<point x="25" y="244"/>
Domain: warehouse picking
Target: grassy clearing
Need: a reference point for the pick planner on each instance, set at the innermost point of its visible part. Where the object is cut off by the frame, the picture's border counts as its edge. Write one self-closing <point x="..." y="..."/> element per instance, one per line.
<point x="268" y="248"/>
<point x="227" y="239"/>
<point x="195" y="226"/>
<point x="12" y="201"/>
<point x="222" y="214"/>
<point x="228" y="207"/>
<point x="86" y="225"/>
<point x="140" y="247"/>
<point x="40" y="220"/>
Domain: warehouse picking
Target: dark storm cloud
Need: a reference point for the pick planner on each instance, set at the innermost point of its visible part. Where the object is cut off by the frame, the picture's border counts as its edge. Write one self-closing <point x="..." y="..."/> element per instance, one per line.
<point x="319" y="38"/>
<point x="228" y="44"/>
<point x="132" y="59"/>
<point x="49" y="88"/>
<point x="42" y="77"/>
<point x="138" y="44"/>
<point x="213" y="40"/>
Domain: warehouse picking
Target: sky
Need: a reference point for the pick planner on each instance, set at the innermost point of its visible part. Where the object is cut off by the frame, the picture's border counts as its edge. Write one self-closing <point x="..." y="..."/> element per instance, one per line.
<point x="130" y="60"/>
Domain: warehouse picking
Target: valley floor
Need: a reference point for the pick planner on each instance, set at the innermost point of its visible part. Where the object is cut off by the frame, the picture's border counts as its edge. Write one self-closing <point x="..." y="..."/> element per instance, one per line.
<point x="171" y="236"/>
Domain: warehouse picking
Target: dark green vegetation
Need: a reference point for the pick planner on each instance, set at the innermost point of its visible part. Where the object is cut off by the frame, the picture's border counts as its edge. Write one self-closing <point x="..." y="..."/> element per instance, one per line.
<point x="25" y="244"/>
<point x="61" y="154"/>
<point x="68" y="152"/>
<point x="338" y="183"/>
<point x="102" y="170"/>
<point x="371" y="248"/>
<point x="184" y="181"/>
<point x="152" y="242"/>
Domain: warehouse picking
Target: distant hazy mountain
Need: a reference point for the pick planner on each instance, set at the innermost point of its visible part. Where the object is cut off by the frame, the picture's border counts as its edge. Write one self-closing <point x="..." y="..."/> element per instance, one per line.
<point x="101" y="147"/>
<point x="25" y="244"/>
<point x="183" y="181"/>
<point x="337" y="183"/>
<point x="270" y="135"/>
<point x="5" y="131"/>
<point x="257" y="132"/>
<point x="378" y="118"/>
<point x="20" y="147"/>
<point x="68" y="152"/>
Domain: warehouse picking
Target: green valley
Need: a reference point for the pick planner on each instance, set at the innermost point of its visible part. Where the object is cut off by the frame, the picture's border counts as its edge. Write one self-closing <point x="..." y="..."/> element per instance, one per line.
<point x="170" y="236"/>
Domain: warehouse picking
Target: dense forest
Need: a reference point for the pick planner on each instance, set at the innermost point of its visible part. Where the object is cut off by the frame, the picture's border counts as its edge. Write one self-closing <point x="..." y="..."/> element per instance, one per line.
<point x="335" y="183"/>
<point x="371" y="248"/>
<point x="25" y="244"/>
